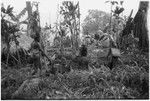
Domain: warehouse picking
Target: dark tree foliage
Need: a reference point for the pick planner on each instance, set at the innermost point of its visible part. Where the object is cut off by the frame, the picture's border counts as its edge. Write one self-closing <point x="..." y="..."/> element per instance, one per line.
<point x="118" y="10"/>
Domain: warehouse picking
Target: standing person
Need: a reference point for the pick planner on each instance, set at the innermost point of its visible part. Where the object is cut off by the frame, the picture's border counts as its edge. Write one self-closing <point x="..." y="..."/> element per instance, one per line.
<point x="36" y="53"/>
<point x="115" y="52"/>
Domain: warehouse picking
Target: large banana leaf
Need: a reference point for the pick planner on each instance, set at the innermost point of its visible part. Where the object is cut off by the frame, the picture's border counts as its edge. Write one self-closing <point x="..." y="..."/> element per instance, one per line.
<point x="25" y="41"/>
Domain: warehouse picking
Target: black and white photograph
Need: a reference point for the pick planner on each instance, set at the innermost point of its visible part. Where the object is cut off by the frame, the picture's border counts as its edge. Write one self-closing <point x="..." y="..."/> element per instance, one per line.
<point x="74" y="49"/>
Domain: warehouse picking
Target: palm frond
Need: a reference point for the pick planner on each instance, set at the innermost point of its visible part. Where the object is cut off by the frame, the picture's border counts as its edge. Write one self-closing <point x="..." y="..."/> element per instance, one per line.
<point x="22" y="13"/>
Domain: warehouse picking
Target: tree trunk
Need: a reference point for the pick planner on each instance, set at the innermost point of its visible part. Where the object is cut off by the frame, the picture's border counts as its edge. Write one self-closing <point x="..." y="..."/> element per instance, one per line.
<point x="140" y="26"/>
<point x="29" y="10"/>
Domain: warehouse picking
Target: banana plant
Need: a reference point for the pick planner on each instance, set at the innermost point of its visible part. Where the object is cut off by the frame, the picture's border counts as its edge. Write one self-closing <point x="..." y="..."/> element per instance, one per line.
<point x="70" y="12"/>
<point x="8" y="30"/>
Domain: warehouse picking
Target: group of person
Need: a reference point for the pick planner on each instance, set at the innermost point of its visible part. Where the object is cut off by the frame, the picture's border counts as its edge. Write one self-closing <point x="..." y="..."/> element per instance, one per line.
<point x="36" y="50"/>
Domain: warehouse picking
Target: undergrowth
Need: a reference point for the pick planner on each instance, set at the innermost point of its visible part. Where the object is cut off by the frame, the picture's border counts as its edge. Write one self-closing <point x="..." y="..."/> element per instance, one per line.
<point x="123" y="82"/>
<point x="128" y="80"/>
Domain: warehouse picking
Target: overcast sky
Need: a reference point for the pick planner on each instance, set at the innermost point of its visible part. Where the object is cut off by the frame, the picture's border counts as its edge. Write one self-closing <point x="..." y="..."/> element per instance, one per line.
<point x="48" y="8"/>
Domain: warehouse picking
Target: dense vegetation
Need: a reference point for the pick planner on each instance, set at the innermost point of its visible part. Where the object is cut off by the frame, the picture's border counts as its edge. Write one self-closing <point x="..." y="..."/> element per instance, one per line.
<point x="111" y="61"/>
